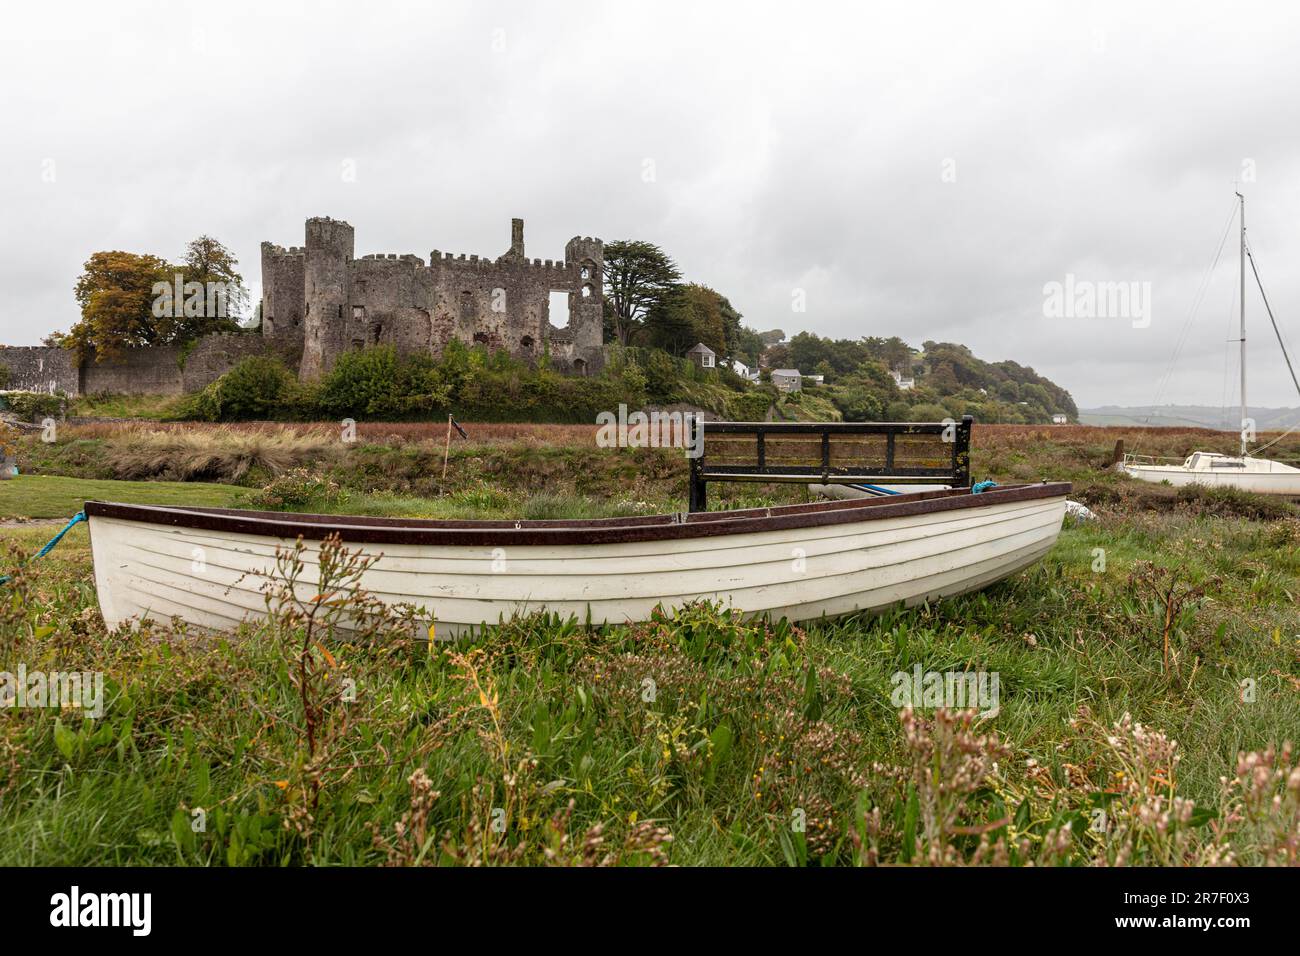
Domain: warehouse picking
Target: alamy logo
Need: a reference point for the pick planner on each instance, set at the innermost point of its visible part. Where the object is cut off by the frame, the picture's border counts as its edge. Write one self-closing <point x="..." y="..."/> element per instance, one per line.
<point x="57" y="689"/>
<point x="651" y="430"/>
<point x="1084" y="299"/>
<point x="954" y="690"/>
<point x="75" y="908"/>
<point x="191" y="300"/>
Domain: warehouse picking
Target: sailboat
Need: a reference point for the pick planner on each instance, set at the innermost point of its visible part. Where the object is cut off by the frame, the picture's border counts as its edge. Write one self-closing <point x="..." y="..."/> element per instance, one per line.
<point x="1242" y="471"/>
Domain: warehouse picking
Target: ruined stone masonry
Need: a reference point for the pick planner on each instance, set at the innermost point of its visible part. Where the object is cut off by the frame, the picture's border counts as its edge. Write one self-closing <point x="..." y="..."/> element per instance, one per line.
<point x="318" y="301"/>
<point x="323" y="300"/>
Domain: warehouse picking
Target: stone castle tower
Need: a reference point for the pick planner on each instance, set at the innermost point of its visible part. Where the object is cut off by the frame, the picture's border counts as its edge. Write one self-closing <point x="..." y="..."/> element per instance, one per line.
<point x="320" y="299"/>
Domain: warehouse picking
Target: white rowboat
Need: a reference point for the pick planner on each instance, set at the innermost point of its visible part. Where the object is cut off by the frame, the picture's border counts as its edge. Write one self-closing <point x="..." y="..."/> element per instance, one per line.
<point x="208" y="566"/>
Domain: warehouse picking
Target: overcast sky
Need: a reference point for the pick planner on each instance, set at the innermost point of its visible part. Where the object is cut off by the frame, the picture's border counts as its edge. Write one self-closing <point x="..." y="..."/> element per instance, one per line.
<point x="915" y="170"/>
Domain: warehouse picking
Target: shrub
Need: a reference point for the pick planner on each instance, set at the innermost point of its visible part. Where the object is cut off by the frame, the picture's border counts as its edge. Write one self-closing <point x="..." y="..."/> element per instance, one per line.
<point x="927" y="412"/>
<point x="33" y="405"/>
<point x="751" y="405"/>
<point x="377" y="383"/>
<point x="258" y="387"/>
<point x="298" y="490"/>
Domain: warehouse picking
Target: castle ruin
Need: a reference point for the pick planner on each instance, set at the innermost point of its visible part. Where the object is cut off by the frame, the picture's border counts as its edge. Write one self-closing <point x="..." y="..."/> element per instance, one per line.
<point x="319" y="300"/>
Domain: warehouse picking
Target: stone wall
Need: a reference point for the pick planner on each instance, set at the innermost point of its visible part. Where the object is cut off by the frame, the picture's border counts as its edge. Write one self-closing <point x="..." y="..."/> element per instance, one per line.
<point x="157" y="370"/>
<point x="40" y="369"/>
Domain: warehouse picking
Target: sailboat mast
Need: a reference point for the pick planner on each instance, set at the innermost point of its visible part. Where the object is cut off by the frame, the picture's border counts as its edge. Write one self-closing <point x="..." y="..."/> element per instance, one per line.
<point x="1243" y="323"/>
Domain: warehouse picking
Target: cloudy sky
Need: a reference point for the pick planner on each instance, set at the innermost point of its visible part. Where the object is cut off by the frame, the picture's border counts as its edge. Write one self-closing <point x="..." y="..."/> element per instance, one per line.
<point x="901" y="169"/>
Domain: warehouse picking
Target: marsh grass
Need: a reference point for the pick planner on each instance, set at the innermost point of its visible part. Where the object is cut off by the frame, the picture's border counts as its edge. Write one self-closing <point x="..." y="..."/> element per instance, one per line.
<point x="696" y="738"/>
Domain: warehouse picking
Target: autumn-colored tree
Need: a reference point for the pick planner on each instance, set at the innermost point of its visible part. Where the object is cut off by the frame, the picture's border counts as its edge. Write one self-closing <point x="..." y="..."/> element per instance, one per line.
<point x="116" y="295"/>
<point x="129" y="300"/>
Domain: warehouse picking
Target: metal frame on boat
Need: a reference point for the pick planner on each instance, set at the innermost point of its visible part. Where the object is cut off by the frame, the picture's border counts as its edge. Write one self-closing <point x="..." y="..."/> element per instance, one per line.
<point x="832" y="453"/>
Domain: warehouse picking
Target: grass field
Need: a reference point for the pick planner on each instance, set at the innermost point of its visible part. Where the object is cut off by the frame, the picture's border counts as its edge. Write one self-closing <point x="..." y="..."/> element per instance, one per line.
<point x="55" y="496"/>
<point x="698" y="738"/>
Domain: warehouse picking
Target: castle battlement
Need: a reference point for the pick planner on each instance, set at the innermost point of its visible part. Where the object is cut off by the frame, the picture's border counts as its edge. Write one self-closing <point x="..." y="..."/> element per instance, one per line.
<point x="319" y="297"/>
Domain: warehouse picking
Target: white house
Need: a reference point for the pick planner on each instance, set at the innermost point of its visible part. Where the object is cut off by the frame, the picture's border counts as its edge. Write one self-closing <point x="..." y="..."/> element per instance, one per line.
<point x="1060" y="420"/>
<point x="815" y="379"/>
<point x="905" y="384"/>
<point x="787" y="379"/>
<point x="744" y="371"/>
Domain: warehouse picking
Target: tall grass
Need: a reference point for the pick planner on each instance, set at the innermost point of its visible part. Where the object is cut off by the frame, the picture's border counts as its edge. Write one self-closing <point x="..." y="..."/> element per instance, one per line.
<point x="696" y="738"/>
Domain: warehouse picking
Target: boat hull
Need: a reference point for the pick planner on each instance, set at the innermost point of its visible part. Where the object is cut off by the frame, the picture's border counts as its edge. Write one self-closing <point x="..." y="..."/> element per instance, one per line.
<point x="1257" y="482"/>
<point x="800" y="563"/>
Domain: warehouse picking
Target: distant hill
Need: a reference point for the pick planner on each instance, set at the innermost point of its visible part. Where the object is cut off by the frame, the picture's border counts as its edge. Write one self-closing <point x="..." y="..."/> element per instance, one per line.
<point x="1189" y="416"/>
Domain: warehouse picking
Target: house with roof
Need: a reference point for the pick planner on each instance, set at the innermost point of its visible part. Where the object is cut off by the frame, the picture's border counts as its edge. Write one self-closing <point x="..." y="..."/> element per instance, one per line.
<point x="743" y="370"/>
<point x="904" y="383"/>
<point x="703" y="356"/>
<point x="787" y="379"/>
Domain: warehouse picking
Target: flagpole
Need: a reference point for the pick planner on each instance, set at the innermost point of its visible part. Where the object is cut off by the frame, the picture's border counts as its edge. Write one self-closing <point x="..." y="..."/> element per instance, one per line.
<point x="447" y="453"/>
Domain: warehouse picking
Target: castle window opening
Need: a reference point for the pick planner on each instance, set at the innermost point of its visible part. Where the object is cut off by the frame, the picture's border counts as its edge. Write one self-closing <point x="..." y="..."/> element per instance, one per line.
<point x="580" y="366"/>
<point x="526" y="343"/>
<point x="558" y="309"/>
<point x="359" y="313"/>
<point x="586" y="291"/>
<point x="586" y="272"/>
<point x="481" y="338"/>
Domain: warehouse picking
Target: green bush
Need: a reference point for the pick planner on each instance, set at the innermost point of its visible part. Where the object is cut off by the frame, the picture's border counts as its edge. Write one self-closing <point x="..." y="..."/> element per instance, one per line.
<point x="927" y="412"/>
<point x="33" y="405"/>
<point x="258" y="387"/>
<point x="751" y="405"/>
<point x="378" y="383"/>
<point x="298" y="490"/>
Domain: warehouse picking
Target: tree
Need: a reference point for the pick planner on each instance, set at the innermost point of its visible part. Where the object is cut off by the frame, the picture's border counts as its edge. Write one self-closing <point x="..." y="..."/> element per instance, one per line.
<point x="638" y="277"/>
<point x="772" y="337"/>
<point x="866" y="394"/>
<point x="808" y="350"/>
<point x="691" y="313"/>
<point x="208" y="261"/>
<point x="747" y="346"/>
<point x="129" y="300"/>
<point x="116" y="295"/>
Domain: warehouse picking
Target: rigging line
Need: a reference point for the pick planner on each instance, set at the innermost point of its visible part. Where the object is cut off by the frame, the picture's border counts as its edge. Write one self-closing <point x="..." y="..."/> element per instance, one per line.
<point x="1196" y="304"/>
<point x="1278" y="332"/>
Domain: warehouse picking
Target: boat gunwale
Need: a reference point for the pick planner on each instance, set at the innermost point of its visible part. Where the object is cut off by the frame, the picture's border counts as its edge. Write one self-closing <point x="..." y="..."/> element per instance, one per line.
<point x="583" y="531"/>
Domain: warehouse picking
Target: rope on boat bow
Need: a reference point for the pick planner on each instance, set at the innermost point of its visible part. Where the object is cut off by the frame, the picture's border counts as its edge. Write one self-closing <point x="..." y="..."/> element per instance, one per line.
<point x="49" y="545"/>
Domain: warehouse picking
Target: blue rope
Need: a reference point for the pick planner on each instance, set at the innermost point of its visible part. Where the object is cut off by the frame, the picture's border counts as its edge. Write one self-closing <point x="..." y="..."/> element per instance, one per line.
<point x="982" y="486"/>
<point x="49" y="545"/>
<point x="876" y="489"/>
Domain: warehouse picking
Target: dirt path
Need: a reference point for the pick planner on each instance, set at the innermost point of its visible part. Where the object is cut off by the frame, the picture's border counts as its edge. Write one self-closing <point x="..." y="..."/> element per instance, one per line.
<point x="30" y="522"/>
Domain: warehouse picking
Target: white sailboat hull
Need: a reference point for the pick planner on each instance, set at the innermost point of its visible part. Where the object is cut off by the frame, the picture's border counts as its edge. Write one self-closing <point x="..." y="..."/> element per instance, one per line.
<point x="212" y="577"/>
<point x="1257" y="475"/>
